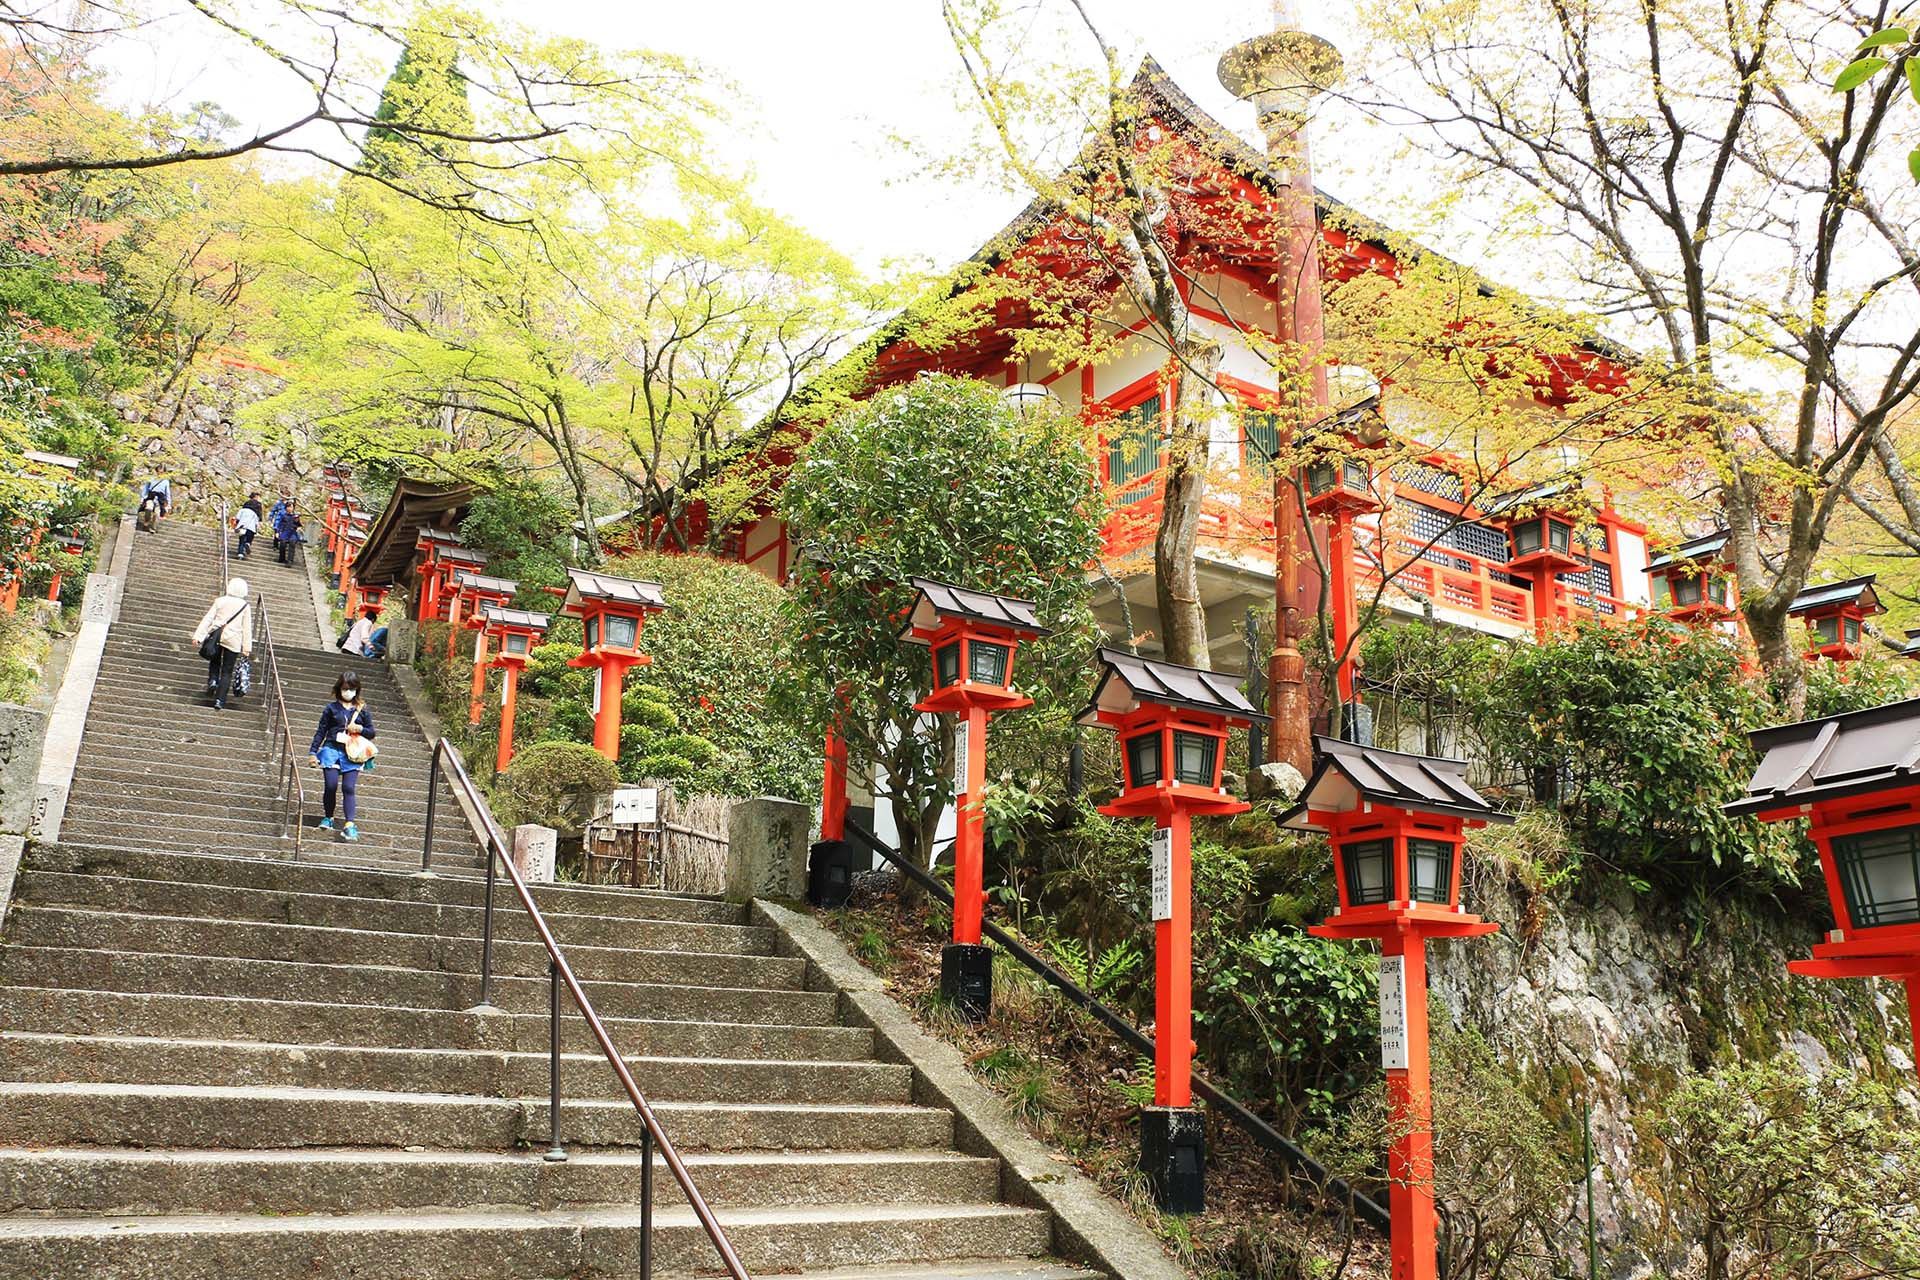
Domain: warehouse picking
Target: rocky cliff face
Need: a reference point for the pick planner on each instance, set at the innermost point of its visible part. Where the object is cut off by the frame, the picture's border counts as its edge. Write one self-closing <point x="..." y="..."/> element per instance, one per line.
<point x="195" y="425"/>
<point x="1609" y="1002"/>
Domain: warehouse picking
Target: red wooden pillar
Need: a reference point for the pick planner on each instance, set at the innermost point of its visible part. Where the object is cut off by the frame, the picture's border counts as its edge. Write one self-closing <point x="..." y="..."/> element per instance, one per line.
<point x="833" y="793"/>
<point x="970" y="831"/>
<point x="1415" y="1240"/>
<point x="1173" y="968"/>
<point x="454" y="599"/>
<point x="476" y="708"/>
<point x="509" y="697"/>
<point x="606" y="717"/>
<point x="1343" y="592"/>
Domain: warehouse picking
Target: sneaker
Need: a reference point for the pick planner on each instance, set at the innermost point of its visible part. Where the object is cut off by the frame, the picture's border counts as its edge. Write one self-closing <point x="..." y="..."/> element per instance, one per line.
<point x="351" y="833"/>
<point x="326" y="824"/>
<point x="218" y="705"/>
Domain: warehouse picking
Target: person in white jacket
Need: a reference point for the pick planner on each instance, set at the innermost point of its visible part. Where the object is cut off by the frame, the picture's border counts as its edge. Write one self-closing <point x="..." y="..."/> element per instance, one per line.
<point x="231" y="617"/>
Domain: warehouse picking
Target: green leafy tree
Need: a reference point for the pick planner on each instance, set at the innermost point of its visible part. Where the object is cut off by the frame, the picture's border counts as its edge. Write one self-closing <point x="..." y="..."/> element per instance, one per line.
<point x="939" y="479"/>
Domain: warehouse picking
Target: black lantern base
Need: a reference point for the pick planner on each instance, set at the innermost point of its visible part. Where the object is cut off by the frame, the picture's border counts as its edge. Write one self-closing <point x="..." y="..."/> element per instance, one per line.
<point x="1173" y="1155"/>
<point x="966" y="979"/>
<point x="830" y="874"/>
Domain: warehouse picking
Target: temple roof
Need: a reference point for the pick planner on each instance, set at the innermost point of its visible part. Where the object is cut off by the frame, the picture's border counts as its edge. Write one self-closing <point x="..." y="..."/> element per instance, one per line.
<point x="1833" y="758"/>
<point x="1853" y="591"/>
<point x="1704" y="549"/>
<point x="584" y="585"/>
<point x="481" y="582"/>
<point x="413" y="506"/>
<point x="1346" y="774"/>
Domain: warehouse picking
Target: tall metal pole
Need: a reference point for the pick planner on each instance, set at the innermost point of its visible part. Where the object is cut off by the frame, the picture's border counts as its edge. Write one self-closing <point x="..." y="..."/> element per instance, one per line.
<point x="1281" y="73"/>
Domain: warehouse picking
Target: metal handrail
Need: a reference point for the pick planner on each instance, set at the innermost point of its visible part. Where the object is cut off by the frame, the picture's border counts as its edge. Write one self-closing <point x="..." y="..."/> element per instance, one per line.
<point x="560" y="973"/>
<point x="1365" y="1209"/>
<point x="290" y="792"/>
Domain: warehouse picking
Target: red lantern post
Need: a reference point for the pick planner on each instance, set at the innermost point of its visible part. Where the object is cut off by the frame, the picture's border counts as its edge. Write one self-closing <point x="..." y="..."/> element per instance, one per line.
<point x="361" y="598"/>
<point x="1836" y="613"/>
<point x="352" y="536"/>
<point x="972" y="636"/>
<point x="612" y="612"/>
<point x="1856" y="779"/>
<point x="1339" y="487"/>
<point x="475" y="591"/>
<point x="1540" y="536"/>
<point x="428" y="573"/>
<point x="1172" y="722"/>
<point x="72" y="545"/>
<point x="514" y="633"/>
<point x="1397" y="823"/>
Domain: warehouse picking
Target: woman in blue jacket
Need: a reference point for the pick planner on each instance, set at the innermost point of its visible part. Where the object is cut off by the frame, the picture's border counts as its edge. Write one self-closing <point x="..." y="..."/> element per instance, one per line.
<point x="342" y="722"/>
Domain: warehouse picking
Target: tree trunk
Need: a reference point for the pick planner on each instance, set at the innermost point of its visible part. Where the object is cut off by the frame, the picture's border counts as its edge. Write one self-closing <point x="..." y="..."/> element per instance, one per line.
<point x="1176" y="574"/>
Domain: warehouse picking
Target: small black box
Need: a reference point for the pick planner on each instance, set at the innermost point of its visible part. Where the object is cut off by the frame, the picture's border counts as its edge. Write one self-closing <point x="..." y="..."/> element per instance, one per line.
<point x="830" y="874"/>
<point x="1173" y="1155"/>
<point x="966" y="979"/>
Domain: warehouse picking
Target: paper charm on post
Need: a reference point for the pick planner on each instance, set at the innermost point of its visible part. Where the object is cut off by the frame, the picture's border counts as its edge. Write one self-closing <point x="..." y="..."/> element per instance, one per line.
<point x="1397" y="823"/>
<point x="1172" y="722"/>
<point x="612" y="612"/>
<point x="973" y="636"/>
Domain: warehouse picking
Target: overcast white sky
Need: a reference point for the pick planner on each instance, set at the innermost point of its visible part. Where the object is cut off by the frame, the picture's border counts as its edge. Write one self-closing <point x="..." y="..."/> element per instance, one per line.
<point x="830" y="84"/>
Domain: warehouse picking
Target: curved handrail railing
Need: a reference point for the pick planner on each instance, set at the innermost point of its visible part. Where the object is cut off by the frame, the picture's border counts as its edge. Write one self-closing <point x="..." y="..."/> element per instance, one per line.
<point x="290" y="792"/>
<point x="560" y="973"/>
<point x="1365" y="1209"/>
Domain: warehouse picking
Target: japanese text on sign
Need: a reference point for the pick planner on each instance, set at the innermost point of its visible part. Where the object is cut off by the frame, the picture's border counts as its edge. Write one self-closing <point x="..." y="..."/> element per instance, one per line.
<point x="1393" y="1012"/>
<point x="1162" y="873"/>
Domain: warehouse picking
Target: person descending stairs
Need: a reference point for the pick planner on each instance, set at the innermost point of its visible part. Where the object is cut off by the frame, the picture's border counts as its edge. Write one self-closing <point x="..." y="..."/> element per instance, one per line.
<point x="218" y="1062"/>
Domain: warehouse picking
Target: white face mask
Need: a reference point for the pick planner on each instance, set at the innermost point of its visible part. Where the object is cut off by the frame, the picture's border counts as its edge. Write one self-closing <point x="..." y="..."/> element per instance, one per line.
<point x="348" y="695"/>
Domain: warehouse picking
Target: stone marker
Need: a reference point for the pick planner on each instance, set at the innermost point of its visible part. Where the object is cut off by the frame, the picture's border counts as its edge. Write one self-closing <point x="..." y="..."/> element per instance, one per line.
<point x="23" y="731"/>
<point x="534" y="847"/>
<point x="767" y="841"/>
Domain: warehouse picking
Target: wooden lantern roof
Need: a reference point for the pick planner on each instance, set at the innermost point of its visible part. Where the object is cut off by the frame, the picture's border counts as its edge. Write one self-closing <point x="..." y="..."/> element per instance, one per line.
<point x="499" y="615"/>
<point x="1704" y="552"/>
<point x="1831" y="759"/>
<point x="1347" y="775"/>
<point x="1855" y="595"/>
<point x="457" y="555"/>
<point x="940" y="601"/>
<point x="1128" y="682"/>
<point x="587" y="588"/>
<point x="480" y="582"/>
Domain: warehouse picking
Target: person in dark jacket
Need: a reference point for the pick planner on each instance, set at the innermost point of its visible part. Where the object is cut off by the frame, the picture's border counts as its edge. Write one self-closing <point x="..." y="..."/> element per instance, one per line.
<point x="342" y="721"/>
<point x="286" y="534"/>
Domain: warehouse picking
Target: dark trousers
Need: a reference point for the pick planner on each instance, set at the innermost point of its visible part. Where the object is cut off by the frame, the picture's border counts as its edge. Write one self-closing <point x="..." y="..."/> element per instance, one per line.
<point x="246" y="542"/>
<point x="345" y="782"/>
<point x="283" y="547"/>
<point x="220" y="673"/>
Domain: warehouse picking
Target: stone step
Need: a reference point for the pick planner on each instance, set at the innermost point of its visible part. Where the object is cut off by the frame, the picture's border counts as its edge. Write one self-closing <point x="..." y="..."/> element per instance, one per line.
<point x="253" y="873"/>
<point x="96" y="970"/>
<point x="84" y="1180"/>
<point x="38" y="926"/>
<point x="79" y="1011"/>
<point x="379" y="841"/>
<point x="585" y="1243"/>
<point x="226" y="1118"/>
<point x="242" y="793"/>
<point x="32" y="1057"/>
<point x="100" y="892"/>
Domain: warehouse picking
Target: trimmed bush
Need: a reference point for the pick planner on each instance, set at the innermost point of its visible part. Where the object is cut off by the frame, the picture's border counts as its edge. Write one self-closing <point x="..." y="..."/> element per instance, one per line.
<point x="546" y="781"/>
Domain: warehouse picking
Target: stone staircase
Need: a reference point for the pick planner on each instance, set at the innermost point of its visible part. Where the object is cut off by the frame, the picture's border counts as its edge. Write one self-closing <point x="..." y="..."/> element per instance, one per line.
<point x="219" y="1066"/>
<point x="159" y="768"/>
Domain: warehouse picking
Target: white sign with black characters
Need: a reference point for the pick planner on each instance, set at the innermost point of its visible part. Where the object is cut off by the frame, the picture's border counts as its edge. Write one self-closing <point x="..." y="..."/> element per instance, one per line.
<point x="1162" y="873"/>
<point x="635" y="807"/>
<point x="1393" y="1012"/>
<point x="960" y="745"/>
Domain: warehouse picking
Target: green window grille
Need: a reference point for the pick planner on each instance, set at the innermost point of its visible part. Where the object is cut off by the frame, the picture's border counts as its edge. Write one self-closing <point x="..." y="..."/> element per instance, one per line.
<point x="1133" y="450"/>
<point x="1880" y="875"/>
<point x="1263" y="440"/>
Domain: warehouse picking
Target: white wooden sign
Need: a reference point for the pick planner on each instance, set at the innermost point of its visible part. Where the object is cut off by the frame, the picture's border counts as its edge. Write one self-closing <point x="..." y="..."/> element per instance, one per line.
<point x="599" y="678"/>
<point x="1393" y="1012"/>
<point x="1162" y="873"/>
<point x="960" y="744"/>
<point x="635" y="807"/>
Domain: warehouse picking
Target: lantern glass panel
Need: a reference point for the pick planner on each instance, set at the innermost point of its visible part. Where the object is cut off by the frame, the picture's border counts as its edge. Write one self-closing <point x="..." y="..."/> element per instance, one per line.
<point x="1560" y="535"/>
<point x="1853" y="631"/>
<point x="1369" y="870"/>
<point x="1880" y="875"/>
<point x="1320" y="478"/>
<point x="1662" y="593"/>
<point x="1686" y="589"/>
<point x="1430" y="870"/>
<point x="516" y="642"/>
<point x="1717" y="584"/>
<point x="1526" y="538"/>
<point x="1143" y="759"/>
<point x="622" y="633"/>
<point x="1354" y="476"/>
<point x="593" y="633"/>
<point x="946" y="664"/>
<point x="1828" y="629"/>
<point x="1195" y="756"/>
<point x="987" y="662"/>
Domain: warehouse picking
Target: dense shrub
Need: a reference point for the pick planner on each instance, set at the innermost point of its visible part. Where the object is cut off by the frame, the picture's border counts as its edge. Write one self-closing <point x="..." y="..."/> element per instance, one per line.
<point x="520" y="524"/>
<point x="545" y="782"/>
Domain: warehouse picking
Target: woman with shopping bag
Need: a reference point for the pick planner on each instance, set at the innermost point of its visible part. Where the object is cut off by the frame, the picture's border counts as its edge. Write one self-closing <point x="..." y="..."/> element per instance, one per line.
<point x="342" y="748"/>
<point x="224" y="636"/>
